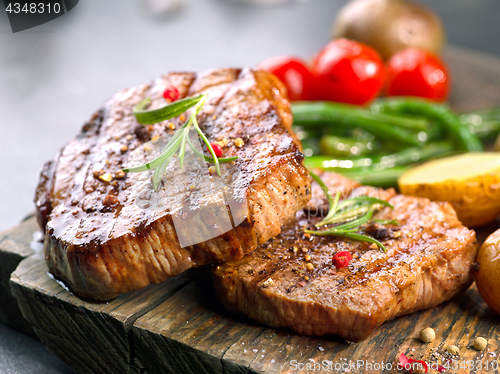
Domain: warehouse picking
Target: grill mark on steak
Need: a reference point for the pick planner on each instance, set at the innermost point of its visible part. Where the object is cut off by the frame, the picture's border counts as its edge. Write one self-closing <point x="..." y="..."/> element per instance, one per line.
<point x="429" y="263"/>
<point x="104" y="239"/>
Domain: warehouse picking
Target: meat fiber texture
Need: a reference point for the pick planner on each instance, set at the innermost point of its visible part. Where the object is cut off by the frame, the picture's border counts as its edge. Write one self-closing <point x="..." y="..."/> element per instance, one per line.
<point x="429" y="260"/>
<point x="107" y="233"/>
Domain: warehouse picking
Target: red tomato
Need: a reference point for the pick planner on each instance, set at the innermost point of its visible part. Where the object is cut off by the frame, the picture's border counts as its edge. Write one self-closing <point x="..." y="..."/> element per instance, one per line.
<point x="294" y="73"/>
<point x="349" y="72"/>
<point x="416" y="72"/>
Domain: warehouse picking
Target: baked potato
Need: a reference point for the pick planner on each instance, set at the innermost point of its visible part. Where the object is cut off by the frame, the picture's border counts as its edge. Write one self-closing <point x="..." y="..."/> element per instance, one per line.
<point x="470" y="182"/>
<point x="487" y="275"/>
<point x="390" y="25"/>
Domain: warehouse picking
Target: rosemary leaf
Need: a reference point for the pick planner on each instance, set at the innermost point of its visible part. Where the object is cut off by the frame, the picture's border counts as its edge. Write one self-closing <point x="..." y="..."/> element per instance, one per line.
<point x="348" y="234"/>
<point x="363" y="199"/>
<point x="221" y="160"/>
<point x="387" y="221"/>
<point x="178" y="141"/>
<point x="346" y="214"/>
<point x="205" y="140"/>
<point x="354" y="212"/>
<point x="158" y="173"/>
<point x="149" y="117"/>
<point x="332" y="203"/>
<point x="358" y="221"/>
<point x="182" y="150"/>
<point x="324" y="188"/>
<point x="210" y="159"/>
<point x="168" y="151"/>
<point x="331" y="212"/>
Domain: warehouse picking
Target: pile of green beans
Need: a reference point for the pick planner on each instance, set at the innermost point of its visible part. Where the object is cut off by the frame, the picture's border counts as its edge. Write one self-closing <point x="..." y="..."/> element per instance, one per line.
<point x="375" y="145"/>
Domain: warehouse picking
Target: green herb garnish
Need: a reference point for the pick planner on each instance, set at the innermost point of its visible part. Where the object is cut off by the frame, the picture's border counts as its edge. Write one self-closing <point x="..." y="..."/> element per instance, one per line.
<point x="178" y="140"/>
<point x="351" y="213"/>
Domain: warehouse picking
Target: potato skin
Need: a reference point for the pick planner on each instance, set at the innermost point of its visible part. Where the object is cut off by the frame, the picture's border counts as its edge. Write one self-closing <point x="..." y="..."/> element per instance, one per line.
<point x="390" y="26"/>
<point x="476" y="200"/>
<point x="488" y="273"/>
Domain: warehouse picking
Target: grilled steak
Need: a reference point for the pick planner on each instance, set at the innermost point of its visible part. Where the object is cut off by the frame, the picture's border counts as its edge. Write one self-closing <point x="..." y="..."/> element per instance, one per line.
<point x="427" y="262"/>
<point x="109" y="233"/>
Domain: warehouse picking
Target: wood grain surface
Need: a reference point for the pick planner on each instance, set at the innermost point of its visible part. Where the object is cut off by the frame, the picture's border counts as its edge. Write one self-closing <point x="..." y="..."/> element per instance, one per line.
<point x="180" y="327"/>
<point x="90" y="337"/>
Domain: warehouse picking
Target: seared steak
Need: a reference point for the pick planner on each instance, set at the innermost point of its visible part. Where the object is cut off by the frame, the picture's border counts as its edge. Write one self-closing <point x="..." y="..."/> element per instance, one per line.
<point x="429" y="260"/>
<point x="109" y="233"/>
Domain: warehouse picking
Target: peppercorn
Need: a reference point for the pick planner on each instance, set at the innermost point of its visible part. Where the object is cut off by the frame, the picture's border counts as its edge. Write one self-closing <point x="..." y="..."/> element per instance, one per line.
<point x="98" y="173"/>
<point x="216" y="148"/>
<point x="427" y="335"/>
<point x="171" y="94"/>
<point x="341" y="259"/>
<point x="453" y="349"/>
<point x="119" y="174"/>
<point x="110" y="200"/>
<point x="239" y="142"/>
<point x="480" y="343"/>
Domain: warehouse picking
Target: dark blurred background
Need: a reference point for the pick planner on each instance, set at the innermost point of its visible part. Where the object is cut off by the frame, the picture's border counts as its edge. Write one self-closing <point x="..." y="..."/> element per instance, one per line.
<point x="54" y="76"/>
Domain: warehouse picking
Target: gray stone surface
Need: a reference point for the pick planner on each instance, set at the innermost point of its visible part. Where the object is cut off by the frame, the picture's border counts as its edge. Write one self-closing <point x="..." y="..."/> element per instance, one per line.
<point x="21" y="354"/>
<point x="54" y="76"/>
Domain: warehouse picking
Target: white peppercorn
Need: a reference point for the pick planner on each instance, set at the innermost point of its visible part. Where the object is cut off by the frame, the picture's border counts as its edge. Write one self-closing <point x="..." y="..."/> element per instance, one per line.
<point x="427" y="335"/>
<point x="480" y="343"/>
<point x="453" y="349"/>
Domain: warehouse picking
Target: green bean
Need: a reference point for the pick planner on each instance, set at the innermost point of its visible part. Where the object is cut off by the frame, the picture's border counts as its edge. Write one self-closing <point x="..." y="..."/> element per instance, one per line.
<point x="465" y="140"/>
<point x="436" y="132"/>
<point x="317" y="113"/>
<point x="404" y="157"/>
<point x="311" y="147"/>
<point x="487" y="130"/>
<point x="484" y="124"/>
<point x="492" y="114"/>
<point x="344" y="147"/>
<point x="309" y="133"/>
<point x="411" y="123"/>
<point x="377" y="178"/>
<point x="333" y="164"/>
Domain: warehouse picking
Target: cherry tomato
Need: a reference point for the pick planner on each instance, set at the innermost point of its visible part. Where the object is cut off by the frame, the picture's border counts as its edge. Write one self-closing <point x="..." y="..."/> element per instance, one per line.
<point x="416" y="72"/>
<point x="349" y="72"/>
<point x="294" y="73"/>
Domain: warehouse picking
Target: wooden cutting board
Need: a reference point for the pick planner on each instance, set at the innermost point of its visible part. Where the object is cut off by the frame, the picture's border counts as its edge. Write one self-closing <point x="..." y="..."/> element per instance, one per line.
<point x="179" y="326"/>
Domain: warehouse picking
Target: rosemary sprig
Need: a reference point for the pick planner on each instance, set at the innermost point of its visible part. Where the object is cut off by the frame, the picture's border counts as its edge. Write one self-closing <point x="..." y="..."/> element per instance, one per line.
<point x="149" y="117"/>
<point x="348" y="235"/>
<point x="387" y="221"/>
<point x="210" y="159"/>
<point x="354" y="212"/>
<point x="178" y="140"/>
